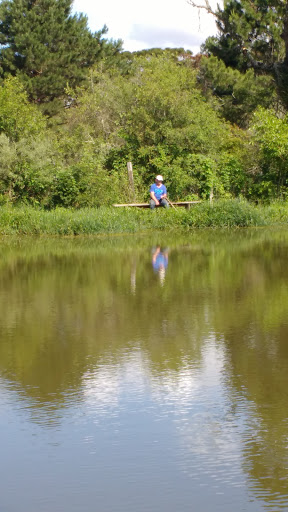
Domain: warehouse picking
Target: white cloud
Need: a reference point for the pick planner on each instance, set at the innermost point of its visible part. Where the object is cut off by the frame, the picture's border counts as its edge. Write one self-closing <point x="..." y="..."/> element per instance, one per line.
<point x="153" y="23"/>
<point x="148" y="36"/>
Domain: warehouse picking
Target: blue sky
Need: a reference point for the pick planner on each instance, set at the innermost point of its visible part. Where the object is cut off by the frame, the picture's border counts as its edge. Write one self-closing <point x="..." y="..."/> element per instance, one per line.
<point x="149" y="24"/>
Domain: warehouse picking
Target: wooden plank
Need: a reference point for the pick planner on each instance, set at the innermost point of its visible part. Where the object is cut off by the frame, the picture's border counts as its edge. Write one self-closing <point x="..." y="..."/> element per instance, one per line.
<point x="185" y="203"/>
<point x="147" y="205"/>
<point x="139" y="205"/>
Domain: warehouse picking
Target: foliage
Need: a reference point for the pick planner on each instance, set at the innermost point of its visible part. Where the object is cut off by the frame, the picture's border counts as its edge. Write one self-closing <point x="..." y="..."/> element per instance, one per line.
<point x="225" y="213"/>
<point x="271" y="133"/>
<point x="155" y="117"/>
<point x="239" y="94"/>
<point x="26" y="151"/>
<point x="164" y="113"/>
<point x="18" y="118"/>
<point x="253" y="34"/>
<point x="249" y="30"/>
<point x="47" y="47"/>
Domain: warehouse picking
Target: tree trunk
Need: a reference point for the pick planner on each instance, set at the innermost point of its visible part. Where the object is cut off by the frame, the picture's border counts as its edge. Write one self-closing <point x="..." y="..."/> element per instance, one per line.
<point x="284" y="34"/>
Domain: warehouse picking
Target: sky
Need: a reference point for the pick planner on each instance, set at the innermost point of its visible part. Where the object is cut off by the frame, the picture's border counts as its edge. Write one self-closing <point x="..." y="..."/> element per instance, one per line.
<point x="150" y="23"/>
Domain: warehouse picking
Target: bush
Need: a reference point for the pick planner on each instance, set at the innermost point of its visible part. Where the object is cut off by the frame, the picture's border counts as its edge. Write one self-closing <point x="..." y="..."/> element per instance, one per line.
<point x="225" y="213"/>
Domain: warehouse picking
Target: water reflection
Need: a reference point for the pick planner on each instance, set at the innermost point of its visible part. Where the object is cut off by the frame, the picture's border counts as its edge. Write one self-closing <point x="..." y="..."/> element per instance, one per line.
<point x="182" y="386"/>
<point x="258" y="368"/>
<point x="160" y="262"/>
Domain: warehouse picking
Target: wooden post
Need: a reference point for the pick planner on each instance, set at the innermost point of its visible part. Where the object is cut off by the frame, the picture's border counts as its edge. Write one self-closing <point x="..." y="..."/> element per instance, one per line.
<point x="211" y="196"/>
<point x="131" y="181"/>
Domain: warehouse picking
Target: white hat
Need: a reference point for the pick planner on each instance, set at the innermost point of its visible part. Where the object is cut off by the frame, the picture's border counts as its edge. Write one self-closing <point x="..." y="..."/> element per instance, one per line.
<point x="159" y="177"/>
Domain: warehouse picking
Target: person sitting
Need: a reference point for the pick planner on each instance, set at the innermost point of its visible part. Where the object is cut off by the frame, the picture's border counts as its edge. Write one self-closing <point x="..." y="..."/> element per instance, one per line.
<point x="158" y="193"/>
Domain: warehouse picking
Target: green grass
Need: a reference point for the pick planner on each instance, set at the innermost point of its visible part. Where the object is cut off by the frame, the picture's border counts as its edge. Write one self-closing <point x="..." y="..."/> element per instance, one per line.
<point x="222" y="214"/>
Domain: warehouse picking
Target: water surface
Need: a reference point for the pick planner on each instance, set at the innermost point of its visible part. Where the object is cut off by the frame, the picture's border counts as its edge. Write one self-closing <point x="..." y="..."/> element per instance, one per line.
<point x="144" y="373"/>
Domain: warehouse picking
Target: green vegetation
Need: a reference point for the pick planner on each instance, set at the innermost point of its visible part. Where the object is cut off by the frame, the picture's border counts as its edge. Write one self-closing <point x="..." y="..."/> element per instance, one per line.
<point x="73" y="115"/>
<point x="47" y="47"/>
<point x="88" y="221"/>
<point x="254" y="34"/>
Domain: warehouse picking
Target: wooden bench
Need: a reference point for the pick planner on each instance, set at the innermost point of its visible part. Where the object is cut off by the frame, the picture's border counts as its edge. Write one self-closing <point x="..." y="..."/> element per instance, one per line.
<point x="186" y="204"/>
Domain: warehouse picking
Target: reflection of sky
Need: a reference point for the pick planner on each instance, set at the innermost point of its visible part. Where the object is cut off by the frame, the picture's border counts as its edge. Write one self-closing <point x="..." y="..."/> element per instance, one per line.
<point x="208" y="447"/>
<point x="138" y="439"/>
<point x="132" y="374"/>
<point x="108" y="386"/>
<point x="204" y="443"/>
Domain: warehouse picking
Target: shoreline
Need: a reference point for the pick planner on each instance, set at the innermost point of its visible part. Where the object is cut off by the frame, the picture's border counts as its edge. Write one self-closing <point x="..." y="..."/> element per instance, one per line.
<point x="222" y="214"/>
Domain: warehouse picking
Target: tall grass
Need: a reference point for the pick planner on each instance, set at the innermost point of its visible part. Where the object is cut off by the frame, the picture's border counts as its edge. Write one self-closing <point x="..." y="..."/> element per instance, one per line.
<point x="222" y="214"/>
<point x="225" y="214"/>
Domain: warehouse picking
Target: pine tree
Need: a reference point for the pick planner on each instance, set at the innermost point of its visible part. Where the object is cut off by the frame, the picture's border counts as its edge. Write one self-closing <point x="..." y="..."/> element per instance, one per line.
<point x="47" y="47"/>
<point x="253" y="34"/>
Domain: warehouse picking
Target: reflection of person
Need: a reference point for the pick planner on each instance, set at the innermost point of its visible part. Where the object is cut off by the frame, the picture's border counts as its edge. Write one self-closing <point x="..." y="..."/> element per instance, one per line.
<point x="158" y="193"/>
<point x="160" y="263"/>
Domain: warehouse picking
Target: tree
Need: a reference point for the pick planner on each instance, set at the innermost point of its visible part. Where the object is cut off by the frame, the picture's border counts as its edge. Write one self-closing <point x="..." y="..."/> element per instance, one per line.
<point x="47" y="47"/>
<point x="157" y="117"/>
<point x="238" y="94"/>
<point x="18" y="118"/>
<point x="271" y="134"/>
<point x="253" y="34"/>
<point x="27" y="152"/>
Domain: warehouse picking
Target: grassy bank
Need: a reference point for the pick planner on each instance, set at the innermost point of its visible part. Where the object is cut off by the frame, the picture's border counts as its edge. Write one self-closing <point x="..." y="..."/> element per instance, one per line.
<point x="223" y="214"/>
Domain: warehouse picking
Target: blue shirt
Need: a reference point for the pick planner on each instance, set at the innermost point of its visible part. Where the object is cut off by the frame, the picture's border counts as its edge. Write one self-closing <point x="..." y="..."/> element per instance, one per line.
<point x="158" y="191"/>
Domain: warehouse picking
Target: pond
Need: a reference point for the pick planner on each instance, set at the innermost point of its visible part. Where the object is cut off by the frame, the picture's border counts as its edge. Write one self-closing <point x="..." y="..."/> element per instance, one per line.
<point x="144" y="373"/>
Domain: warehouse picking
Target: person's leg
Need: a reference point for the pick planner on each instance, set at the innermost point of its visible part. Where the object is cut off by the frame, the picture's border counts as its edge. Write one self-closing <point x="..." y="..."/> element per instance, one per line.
<point x="164" y="203"/>
<point x="152" y="204"/>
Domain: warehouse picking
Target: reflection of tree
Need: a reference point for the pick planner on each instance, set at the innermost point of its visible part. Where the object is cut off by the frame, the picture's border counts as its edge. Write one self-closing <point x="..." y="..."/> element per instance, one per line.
<point x="253" y="319"/>
<point x="61" y="312"/>
<point x="66" y="311"/>
<point x="257" y="368"/>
